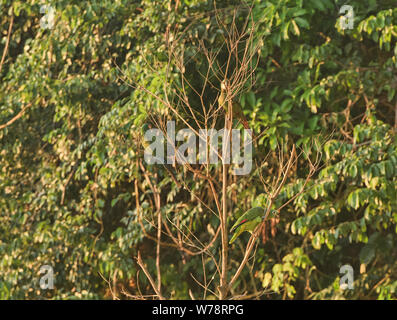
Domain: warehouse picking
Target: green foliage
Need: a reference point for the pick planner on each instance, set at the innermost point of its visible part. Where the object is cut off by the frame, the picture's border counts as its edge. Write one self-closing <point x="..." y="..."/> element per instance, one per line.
<point x="70" y="179"/>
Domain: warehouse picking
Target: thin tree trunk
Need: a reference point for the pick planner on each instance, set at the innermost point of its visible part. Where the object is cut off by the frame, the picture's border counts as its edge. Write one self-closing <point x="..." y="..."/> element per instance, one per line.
<point x="225" y="166"/>
<point x="159" y="223"/>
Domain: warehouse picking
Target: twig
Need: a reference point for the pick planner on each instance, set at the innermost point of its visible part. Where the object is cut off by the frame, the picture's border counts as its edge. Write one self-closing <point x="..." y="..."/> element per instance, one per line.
<point x="255" y="234"/>
<point x="20" y="114"/>
<point x="144" y="269"/>
<point x="7" y="41"/>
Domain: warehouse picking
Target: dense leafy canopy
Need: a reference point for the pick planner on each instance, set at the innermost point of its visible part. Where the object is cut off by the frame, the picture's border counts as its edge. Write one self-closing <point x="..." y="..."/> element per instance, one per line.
<point x="76" y="194"/>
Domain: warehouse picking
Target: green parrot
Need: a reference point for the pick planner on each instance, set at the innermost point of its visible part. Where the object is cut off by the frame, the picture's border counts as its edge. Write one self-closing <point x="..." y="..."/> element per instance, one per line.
<point x="237" y="109"/>
<point x="145" y="143"/>
<point x="249" y="221"/>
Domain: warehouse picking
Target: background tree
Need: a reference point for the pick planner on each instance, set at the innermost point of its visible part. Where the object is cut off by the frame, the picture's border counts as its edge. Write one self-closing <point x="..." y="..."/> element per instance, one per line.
<point x="76" y="194"/>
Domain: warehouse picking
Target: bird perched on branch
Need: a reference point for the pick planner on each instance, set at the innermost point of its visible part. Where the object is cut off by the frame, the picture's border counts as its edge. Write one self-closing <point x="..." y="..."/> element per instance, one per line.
<point x="237" y="110"/>
<point x="145" y="127"/>
<point x="249" y="221"/>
